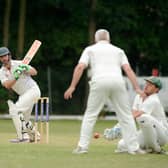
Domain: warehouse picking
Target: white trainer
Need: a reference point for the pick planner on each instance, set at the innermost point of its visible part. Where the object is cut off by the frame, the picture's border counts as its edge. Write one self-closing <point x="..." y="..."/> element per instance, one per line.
<point x="19" y="140"/>
<point x="163" y="152"/>
<point x="119" y="151"/>
<point x="80" y="150"/>
<point x="32" y="136"/>
<point x="138" y="151"/>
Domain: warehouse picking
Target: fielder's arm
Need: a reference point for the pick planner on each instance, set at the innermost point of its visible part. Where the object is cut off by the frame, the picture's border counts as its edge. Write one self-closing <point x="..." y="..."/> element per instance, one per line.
<point x="78" y="71"/>
<point x="132" y="77"/>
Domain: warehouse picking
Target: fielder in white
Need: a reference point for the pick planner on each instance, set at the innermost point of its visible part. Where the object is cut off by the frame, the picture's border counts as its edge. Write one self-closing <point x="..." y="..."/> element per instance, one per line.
<point x="17" y="76"/>
<point x="151" y="118"/>
<point x="106" y="62"/>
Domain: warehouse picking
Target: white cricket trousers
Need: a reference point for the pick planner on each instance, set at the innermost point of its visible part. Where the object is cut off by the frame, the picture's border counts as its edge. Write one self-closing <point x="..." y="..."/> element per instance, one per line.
<point x="153" y="134"/>
<point x="24" y="105"/>
<point x="27" y="100"/>
<point x="100" y="91"/>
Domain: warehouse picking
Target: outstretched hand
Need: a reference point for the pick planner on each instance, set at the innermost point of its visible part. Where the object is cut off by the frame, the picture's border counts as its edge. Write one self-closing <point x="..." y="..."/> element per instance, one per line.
<point x="68" y="93"/>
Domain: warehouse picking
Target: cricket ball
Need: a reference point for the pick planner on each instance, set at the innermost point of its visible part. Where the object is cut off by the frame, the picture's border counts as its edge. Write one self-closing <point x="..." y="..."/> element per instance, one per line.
<point x="96" y="135"/>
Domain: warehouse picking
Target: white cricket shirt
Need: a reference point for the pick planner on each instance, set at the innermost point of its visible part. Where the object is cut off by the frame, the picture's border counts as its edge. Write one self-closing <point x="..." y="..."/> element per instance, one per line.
<point x="152" y="106"/>
<point x="24" y="83"/>
<point x="104" y="59"/>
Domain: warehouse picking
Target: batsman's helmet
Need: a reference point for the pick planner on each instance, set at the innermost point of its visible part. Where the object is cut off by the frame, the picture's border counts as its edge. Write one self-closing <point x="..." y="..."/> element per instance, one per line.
<point x="155" y="81"/>
<point x="4" y="51"/>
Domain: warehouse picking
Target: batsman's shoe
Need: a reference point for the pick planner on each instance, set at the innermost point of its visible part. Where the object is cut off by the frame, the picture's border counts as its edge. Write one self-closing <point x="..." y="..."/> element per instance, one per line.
<point x="25" y="139"/>
<point x="19" y="140"/>
<point x="80" y="150"/>
<point x="31" y="132"/>
<point x="32" y="136"/>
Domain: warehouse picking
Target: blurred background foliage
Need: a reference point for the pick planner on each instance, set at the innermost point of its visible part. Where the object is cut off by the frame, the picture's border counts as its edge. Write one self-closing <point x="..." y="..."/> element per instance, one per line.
<point x="65" y="27"/>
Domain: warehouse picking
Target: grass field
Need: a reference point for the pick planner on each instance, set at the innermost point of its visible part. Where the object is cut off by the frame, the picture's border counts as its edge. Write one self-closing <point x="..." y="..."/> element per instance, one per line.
<point x="58" y="153"/>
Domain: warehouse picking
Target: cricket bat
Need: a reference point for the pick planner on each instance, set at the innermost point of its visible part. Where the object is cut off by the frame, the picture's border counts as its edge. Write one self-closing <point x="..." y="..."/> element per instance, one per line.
<point x="31" y="52"/>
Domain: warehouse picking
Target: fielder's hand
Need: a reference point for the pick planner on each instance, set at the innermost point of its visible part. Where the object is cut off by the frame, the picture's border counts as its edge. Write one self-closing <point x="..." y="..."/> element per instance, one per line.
<point x="68" y="93"/>
<point x="17" y="72"/>
<point x="112" y="133"/>
<point x="24" y="67"/>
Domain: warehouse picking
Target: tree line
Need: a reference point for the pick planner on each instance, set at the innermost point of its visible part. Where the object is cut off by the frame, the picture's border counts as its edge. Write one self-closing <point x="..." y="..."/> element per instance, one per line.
<point x="65" y="27"/>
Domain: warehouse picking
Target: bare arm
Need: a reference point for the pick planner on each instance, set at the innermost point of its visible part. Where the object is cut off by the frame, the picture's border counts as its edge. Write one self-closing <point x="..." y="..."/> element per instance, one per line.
<point x="136" y="113"/>
<point x="78" y="71"/>
<point x="32" y="71"/>
<point x="132" y="77"/>
<point x="9" y="83"/>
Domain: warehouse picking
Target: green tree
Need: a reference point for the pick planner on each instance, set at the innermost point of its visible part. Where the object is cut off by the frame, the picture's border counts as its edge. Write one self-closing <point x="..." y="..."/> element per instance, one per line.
<point x="65" y="27"/>
<point x="6" y="22"/>
<point x="21" y="28"/>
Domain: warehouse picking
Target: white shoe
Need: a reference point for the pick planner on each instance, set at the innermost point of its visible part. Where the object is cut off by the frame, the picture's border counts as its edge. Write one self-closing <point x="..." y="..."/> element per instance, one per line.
<point x="32" y="136"/>
<point x="152" y="151"/>
<point x="138" y="151"/>
<point x="120" y="151"/>
<point x="80" y="150"/>
<point x="31" y="132"/>
<point x="25" y="136"/>
<point x="19" y="140"/>
<point x="162" y="151"/>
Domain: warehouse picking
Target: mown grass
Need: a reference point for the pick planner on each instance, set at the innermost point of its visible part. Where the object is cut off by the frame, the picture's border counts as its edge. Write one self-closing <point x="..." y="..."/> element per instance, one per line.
<point x="64" y="135"/>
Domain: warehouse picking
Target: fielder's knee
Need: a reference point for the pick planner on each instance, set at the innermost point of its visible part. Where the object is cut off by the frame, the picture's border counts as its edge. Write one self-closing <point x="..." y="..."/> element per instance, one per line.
<point x="143" y="120"/>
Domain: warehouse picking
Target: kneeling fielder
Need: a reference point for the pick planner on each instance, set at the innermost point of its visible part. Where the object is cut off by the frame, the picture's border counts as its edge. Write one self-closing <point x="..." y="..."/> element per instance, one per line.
<point x="151" y="118"/>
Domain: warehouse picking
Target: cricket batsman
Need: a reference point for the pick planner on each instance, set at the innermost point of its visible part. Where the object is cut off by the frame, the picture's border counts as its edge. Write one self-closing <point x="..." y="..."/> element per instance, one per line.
<point x="17" y="76"/>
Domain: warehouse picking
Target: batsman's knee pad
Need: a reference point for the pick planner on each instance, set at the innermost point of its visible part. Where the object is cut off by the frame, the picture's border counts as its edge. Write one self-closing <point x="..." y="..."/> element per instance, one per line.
<point x="29" y="125"/>
<point x="12" y="108"/>
<point x="21" y="116"/>
<point x="31" y="131"/>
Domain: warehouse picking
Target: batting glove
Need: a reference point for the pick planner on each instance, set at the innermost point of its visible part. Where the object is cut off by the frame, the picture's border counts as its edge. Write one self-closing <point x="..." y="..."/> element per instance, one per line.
<point x="17" y="72"/>
<point x="24" y="67"/>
